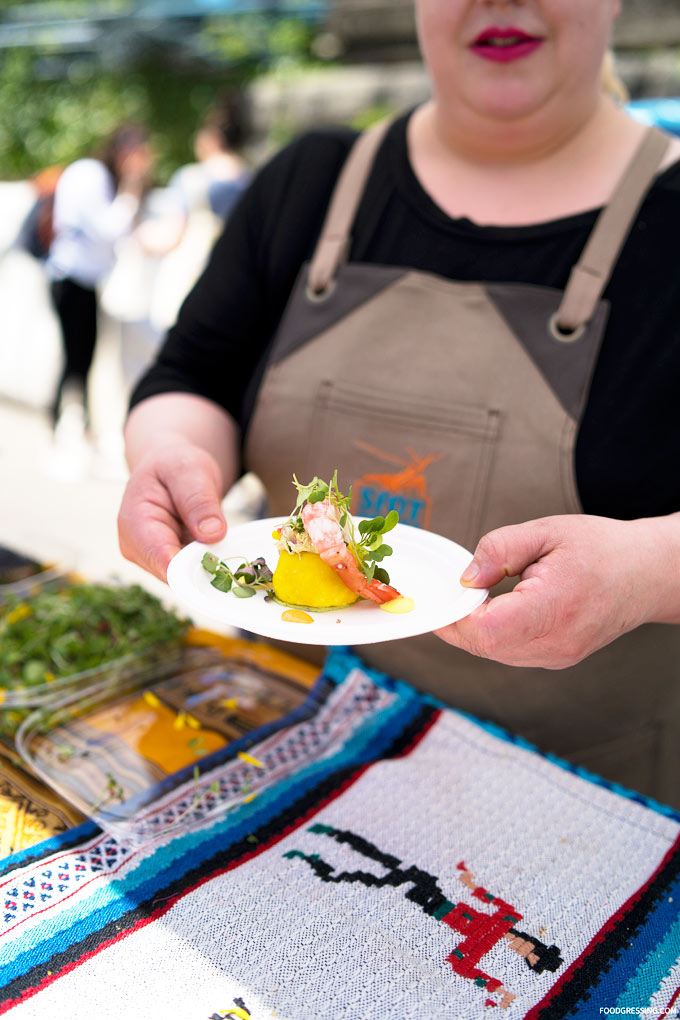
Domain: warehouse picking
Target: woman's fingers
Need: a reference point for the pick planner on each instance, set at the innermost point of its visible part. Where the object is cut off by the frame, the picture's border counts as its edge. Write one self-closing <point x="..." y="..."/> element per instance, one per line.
<point x="149" y="531"/>
<point x="506" y="552"/>
<point x="149" y="541"/>
<point x="195" y="495"/>
<point x="584" y="581"/>
<point x="171" y="497"/>
<point x="512" y="629"/>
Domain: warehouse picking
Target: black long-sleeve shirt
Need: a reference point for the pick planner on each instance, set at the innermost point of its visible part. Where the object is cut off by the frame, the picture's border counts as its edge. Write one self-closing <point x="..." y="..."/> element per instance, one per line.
<point x="628" y="447"/>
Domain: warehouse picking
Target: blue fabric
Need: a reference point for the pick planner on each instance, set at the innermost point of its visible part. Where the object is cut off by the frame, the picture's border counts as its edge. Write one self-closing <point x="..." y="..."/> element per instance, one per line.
<point x="636" y="943"/>
<point x="664" y="113"/>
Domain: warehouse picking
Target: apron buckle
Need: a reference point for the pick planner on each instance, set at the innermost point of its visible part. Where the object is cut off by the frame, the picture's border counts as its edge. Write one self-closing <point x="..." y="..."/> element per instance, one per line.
<point x="563" y="333"/>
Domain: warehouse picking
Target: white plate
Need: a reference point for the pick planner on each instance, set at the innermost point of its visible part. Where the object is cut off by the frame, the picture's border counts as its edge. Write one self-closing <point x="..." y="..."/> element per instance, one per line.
<point x="424" y="566"/>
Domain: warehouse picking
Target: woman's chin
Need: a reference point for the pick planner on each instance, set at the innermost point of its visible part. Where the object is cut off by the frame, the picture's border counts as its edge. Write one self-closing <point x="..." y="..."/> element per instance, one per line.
<point x="515" y="103"/>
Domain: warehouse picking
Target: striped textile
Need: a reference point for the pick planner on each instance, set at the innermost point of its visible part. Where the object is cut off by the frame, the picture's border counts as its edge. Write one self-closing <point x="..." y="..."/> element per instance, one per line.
<point x="392" y="859"/>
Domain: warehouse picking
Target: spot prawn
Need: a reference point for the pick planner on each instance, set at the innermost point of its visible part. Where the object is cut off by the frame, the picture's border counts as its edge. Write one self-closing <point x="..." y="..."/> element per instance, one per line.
<point x="323" y="527"/>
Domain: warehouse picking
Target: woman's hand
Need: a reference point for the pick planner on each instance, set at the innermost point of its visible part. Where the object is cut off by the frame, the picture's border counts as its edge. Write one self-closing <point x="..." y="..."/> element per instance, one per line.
<point x="183" y="454"/>
<point x="172" y="497"/>
<point x="583" y="582"/>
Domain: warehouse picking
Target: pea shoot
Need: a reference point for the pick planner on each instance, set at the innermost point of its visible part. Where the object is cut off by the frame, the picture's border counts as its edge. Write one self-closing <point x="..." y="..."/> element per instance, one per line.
<point x="242" y="582"/>
<point x="53" y="635"/>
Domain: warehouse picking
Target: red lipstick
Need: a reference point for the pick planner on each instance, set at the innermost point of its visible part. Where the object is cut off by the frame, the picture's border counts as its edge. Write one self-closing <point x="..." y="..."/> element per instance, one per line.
<point x="504" y="44"/>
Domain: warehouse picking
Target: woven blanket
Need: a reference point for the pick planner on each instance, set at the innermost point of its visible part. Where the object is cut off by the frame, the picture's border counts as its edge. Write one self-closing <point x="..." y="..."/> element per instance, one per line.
<point x="29" y="812"/>
<point x="391" y="860"/>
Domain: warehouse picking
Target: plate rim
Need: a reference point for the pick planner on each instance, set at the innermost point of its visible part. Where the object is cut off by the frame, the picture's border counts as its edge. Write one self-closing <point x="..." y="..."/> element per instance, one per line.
<point x="476" y="595"/>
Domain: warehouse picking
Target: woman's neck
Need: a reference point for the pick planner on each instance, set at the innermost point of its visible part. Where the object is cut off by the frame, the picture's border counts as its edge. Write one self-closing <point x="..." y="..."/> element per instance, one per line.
<point x="524" y="176"/>
<point x="518" y="140"/>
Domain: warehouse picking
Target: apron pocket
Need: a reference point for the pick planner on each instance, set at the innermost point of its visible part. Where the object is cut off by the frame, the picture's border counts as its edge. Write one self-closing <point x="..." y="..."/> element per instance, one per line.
<point x="405" y="454"/>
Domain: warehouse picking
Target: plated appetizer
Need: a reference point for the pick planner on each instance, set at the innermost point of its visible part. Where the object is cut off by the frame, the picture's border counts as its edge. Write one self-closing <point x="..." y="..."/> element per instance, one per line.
<point x="326" y="559"/>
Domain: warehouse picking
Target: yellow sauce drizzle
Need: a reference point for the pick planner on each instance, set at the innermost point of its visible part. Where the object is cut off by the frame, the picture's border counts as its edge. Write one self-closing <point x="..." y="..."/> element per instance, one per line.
<point x="401" y="605"/>
<point x="296" y="616"/>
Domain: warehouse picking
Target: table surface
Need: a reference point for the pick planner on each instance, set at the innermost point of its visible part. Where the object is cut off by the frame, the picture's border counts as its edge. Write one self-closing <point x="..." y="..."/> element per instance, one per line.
<point x="391" y="859"/>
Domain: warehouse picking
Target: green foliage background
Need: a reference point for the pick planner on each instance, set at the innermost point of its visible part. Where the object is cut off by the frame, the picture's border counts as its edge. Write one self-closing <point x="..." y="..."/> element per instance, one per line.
<point x="51" y="118"/>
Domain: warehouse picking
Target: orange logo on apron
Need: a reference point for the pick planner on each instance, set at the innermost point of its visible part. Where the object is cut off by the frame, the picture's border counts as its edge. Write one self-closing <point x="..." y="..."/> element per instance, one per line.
<point x="404" y="491"/>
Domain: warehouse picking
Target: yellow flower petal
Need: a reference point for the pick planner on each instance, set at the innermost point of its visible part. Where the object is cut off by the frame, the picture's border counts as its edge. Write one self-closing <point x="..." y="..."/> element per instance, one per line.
<point x="19" y="613"/>
<point x="251" y="761"/>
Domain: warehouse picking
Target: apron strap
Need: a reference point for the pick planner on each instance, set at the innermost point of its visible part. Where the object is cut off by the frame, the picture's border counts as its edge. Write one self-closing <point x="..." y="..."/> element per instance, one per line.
<point x="334" y="241"/>
<point x="589" y="276"/>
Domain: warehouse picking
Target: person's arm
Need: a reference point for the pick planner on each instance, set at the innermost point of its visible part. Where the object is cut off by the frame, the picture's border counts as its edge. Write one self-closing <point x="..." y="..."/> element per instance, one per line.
<point x="107" y="219"/>
<point x="183" y="454"/>
<point x="584" y="581"/>
<point x="86" y="201"/>
<point x="182" y="439"/>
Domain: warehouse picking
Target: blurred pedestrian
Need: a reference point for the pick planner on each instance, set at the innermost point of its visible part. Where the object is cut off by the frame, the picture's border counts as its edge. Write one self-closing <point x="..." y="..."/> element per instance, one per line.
<point x="220" y="168"/>
<point x="37" y="230"/>
<point x="96" y="203"/>
<point x="202" y="195"/>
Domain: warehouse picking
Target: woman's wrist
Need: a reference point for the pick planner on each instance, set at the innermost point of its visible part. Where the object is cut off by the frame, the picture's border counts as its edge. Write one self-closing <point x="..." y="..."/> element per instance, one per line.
<point x="171" y="423"/>
<point x="659" y="541"/>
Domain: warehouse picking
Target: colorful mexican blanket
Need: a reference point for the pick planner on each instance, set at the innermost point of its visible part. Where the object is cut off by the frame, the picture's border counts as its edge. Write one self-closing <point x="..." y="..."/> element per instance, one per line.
<point x="391" y="860"/>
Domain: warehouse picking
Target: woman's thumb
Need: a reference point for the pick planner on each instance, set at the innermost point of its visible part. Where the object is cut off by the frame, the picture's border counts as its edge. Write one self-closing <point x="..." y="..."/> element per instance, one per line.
<point x="506" y="552"/>
<point x="197" y="501"/>
<point x="212" y="525"/>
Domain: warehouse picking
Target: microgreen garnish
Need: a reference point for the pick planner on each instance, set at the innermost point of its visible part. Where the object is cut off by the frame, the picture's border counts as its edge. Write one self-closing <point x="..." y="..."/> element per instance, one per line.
<point x="198" y="797"/>
<point x="368" y="546"/>
<point x="112" y="791"/>
<point x="318" y="490"/>
<point x="371" y="547"/>
<point x="242" y="582"/>
<point x="53" y="635"/>
<point x="197" y="747"/>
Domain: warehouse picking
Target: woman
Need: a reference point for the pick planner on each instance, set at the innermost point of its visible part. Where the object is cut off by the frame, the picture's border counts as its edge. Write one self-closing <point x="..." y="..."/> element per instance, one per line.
<point x="95" y="205"/>
<point x="530" y="405"/>
<point x="221" y="173"/>
<point x="200" y="196"/>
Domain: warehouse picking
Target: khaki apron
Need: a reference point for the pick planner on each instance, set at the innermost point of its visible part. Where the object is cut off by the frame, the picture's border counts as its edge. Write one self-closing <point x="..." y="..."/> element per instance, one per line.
<point x="458" y="404"/>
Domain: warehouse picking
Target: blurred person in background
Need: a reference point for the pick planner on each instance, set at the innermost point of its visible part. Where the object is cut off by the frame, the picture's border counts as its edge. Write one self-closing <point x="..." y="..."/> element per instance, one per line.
<point x="157" y="264"/>
<point x="96" y="203"/>
<point x="37" y="230"/>
<point x="31" y="349"/>
<point x="472" y="314"/>
<point x="221" y="173"/>
<point x="201" y="196"/>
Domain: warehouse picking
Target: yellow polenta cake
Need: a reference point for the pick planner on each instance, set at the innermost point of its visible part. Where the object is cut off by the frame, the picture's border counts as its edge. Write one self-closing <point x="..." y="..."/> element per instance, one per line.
<point x="303" y="579"/>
